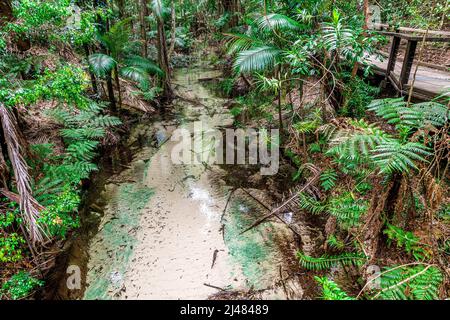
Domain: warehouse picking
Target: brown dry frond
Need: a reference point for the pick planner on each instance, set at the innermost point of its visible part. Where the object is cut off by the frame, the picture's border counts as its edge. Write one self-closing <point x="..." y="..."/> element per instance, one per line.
<point x="28" y="205"/>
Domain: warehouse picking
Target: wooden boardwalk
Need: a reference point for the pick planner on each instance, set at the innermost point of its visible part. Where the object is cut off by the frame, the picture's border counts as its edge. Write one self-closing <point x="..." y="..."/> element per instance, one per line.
<point x="429" y="83"/>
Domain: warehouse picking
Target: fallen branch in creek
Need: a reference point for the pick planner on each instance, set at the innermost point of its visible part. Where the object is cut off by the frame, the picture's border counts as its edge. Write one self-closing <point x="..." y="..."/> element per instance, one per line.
<point x="273" y="212"/>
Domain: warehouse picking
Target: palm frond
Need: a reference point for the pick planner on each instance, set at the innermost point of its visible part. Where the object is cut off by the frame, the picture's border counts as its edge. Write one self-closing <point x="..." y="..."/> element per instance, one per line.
<point x="101" y="64"/>
<point x="136" y="74"/>
<point x="256" y="59"/>
<point x="239" y="42"/>
<point x="277" y="21"/>
<point x="144" y="64"/>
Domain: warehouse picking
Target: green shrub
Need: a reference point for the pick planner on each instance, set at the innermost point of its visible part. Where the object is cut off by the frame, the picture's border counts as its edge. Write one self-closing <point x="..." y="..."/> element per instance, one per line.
<point x="11" y="247"/>
<point x="20" y="285"/>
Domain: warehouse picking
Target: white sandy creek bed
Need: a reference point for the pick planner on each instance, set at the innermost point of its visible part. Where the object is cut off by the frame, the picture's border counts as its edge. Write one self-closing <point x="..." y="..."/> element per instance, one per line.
<point x="162" y="224"/>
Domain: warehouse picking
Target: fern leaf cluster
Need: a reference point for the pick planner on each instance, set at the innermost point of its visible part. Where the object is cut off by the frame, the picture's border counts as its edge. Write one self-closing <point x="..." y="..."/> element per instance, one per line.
<point x="419" y="115"/>
<point x="328" y="179"/>
<point x="347" y="209"/>
<point x="331" y="291"/>
<point x="328" y="261"/>
<point x="407" y="240"/>
<point x="411" y="283"/>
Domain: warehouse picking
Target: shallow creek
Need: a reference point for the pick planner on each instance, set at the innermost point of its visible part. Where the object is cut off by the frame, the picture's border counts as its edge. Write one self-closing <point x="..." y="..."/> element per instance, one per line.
<point x="163" y="232"/>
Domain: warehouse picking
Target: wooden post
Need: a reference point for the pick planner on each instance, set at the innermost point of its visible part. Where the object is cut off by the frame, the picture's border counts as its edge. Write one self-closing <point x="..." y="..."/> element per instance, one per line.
<point x="407" y="63"/>
<point x="392" y="56"/>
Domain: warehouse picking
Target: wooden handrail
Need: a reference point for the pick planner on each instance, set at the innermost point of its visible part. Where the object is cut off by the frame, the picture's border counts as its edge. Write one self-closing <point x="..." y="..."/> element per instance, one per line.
<point x="382" y="26"/>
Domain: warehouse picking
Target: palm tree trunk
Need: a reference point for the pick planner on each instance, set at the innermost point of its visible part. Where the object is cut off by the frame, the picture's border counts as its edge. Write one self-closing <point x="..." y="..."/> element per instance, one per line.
<point x="112" y="99"/>
<point x="91" y="74"/>
<point x="116" y="78"/>
<point x="280" y="117"/>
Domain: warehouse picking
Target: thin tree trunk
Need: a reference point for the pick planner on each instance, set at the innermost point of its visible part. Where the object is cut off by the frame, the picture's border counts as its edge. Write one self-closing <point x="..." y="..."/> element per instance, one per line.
<point x="112" y="99"/>
<point x="174" y="26"/>
<point x="91" y="74"/>
<point x="164" y="60"/>
<point x="116" y="78"/>
<point x="143" y="12"/>
<point x="366" y="14"/>
<point x="121" y="6"/>
<point x="280" y="117"/>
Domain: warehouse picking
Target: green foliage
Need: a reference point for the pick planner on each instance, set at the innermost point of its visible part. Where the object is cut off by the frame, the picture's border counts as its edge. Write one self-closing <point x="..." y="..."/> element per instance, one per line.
<point x="347" y="209"/>
<point x="278" y="21"/>
<point x="101" y="63"/>
<point x="327" y="261"/>
<point x="407" y="240"/>
<point x="11" y="247"/>
<point x="335" y="243"/>
<point x="356" y="144"/>
<point x="310" y="204"/>
<point x="20" y="285"/>
<point x="35" y="16"/>
<point x="59" y="215"/>
<point x="419" y="115"/>
<point x="328" y="179"/>
<point x="331" y="291"/>
<point x="83" y="129"/>
<point x="357" y="95"/>
<point x="256" y="59"/>
<point x="411" y="283"/>
<point x="393" y="156"/>
<point x="66" y="84"/>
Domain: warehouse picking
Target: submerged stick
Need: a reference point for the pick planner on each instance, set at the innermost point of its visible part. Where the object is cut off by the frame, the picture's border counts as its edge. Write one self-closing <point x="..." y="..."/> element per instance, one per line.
<point x="260" y="220"/>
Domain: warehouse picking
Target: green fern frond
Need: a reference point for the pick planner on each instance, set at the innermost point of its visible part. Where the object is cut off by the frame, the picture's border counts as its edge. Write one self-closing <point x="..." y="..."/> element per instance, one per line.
<point x="347" y="209"/>
<point x="328" y="179"/>
<point x="82" y="150"/>
<point x="411" y="283"/>
<point x="308" y="203"/>
<point x="393" y="156"/>
<point x="331" y="291"/>
<point x="406" y="239"/>
<point x="326" y="261"/>
<point x="357" y="143"/>
<point x="335" y="243"/>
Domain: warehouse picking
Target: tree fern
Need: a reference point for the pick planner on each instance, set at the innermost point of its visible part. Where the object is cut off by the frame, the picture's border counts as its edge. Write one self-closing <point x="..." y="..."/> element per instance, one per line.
<point x="327" y="261"/>
<point x="331" y="291"/>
